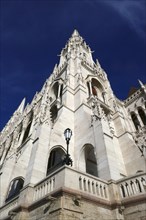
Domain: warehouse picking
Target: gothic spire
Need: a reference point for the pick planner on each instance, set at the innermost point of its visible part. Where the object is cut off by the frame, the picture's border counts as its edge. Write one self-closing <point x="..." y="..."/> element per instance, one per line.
<point x="75" y="33"/>
<point x="75" y="37"/>
<point x="141" y="84"/>
<point x="21" y="106"/>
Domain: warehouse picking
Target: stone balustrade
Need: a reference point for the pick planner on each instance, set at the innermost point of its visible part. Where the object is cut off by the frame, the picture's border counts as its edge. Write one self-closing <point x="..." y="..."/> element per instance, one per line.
<point x="93" y="186"/>
<point x="44" y="188"/>
<point x="82" y="182"/>
<point x="132" y="185"/>
<point x="71" y="179"/>
<point x="4" y="210"/>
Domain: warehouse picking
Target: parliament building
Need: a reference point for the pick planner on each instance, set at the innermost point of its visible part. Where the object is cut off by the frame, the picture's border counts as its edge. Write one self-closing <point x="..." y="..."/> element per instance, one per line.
<point x="76" y="152"/>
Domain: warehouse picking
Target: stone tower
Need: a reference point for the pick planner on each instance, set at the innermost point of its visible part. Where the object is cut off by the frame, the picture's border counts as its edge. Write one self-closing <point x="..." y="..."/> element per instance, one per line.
<point x="107" y="177"/>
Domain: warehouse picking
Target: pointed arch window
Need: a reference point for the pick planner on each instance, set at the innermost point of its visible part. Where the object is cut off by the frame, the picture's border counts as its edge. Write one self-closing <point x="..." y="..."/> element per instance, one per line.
<point x="56" y="91"/>
<point x="55" y="159"/>
<point x="142" y="115"/>
<point x="91" y="164"/>
<point x="95" y="88"/>
<point x="135" y="120"/>
<point x="14" y="189"/>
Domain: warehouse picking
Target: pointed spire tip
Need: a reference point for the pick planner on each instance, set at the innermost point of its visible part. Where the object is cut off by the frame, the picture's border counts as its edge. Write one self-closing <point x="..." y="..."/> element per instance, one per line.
<point x="75" y="33"/>
<point x="141" y="84"/>
<point x="21" y="106"/>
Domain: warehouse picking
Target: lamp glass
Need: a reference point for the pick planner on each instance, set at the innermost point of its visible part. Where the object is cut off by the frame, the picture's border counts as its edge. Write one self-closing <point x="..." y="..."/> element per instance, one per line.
<point x="68" y="134"/>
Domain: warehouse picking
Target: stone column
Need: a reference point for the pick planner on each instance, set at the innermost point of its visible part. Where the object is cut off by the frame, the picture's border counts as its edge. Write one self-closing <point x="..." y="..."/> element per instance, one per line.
<point x="59" y="90"/>
<point x="90" y="88"/>
<point x="139" y="118"/>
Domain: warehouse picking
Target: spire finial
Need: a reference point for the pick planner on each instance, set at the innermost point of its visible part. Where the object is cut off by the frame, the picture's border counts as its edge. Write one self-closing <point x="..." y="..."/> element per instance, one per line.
<point x="75" y="33"/>
<point x="21" y="106"/>
<point x="141" y="84"/>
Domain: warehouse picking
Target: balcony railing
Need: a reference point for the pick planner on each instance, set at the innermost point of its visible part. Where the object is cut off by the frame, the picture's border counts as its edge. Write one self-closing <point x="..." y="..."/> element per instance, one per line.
<point x="88" y="184"/>
<point x="93" y="186"/>
<point x="83" y="183"/>
<point x="44" y="188"/>
<point x="132" y="185"/>
<point x="4" y="210"/>
<point x="72" y="179"/>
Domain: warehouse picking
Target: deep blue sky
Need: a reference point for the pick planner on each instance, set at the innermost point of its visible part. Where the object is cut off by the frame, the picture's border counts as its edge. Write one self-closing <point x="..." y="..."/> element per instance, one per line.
<point x="34" y="32"/>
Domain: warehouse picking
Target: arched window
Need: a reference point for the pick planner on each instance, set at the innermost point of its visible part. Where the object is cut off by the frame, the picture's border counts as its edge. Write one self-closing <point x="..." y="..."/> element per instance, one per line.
<point x="14" y="189"/>
<point x="142" y="115"/>
<point x="56" y="91"/>
<point x="91" y="164"/>
<point x="55" y="159"/>
<point x="135" y="120"/>
<point x="26" y="133"/>
<point x="95" y="88"/>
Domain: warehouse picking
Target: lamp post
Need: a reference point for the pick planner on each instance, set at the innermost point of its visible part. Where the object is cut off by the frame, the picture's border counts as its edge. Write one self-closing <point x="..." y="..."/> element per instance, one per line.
<point x="67" y="135"/>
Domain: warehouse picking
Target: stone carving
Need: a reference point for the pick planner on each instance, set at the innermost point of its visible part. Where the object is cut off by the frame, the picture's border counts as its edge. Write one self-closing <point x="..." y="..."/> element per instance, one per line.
<point x="97" y="109"/>
<point x="111" y="124"/>
<point x="115" y="106"/>
<point x="140" y="139"/>
<point x="45" y="113"/>
<point x="80" y="77"/>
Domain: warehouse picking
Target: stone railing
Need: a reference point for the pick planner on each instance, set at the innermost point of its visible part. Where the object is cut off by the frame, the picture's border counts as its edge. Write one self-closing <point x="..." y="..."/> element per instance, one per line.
<point x="132" y="97"/>
<point x="93" y="186"/>
<point x="44" y="188"/>
<point x="4" y="210"/>
<point x="78" y="181"/>
<point x="132" y="185"/>
<point x="72" y="179"/>
<point x="88" y="65"/>
<point x="59" y="70"/>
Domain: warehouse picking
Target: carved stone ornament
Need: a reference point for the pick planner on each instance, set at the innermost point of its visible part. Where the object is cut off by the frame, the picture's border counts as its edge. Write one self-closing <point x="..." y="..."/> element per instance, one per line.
<point x="140" y="139"/>
<point x="97" y="109"/>
<point x="111" y="125"/>
<point x="45" y="113"/>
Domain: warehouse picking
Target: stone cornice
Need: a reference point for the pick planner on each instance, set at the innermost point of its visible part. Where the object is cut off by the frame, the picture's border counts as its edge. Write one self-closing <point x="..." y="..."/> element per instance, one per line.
<point x="133" y="97"/>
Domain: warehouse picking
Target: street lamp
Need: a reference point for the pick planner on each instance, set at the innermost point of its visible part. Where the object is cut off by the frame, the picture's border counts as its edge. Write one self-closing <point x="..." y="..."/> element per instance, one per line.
<point x="67" y="135"/>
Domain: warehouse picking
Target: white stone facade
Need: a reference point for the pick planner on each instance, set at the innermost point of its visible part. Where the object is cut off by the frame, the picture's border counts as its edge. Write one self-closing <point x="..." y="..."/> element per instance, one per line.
<point x="106" y="146"/>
